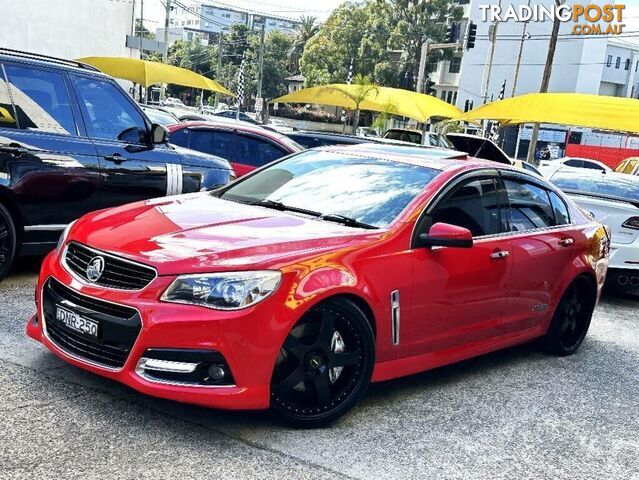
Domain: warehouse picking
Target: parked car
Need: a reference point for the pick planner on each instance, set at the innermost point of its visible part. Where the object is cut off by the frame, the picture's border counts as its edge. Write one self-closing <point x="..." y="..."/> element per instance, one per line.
<point x="613" y="199"/>
<point x="367" y="132"/>
<point x="548" y="167"/>
<point x="629" y="166"/>
<point x="174" y="102"/>
<point x="310" y="139"/>
<point x="72" y="141"/>
<point x="482" y="147"/>
<point x="279" y="126"/>
<point x="299" y="284"/>
<point x="245" y="117"/>
<point x="245" y="146"/>
<point x="415" y="136"/>
<point x="159" y="116"/>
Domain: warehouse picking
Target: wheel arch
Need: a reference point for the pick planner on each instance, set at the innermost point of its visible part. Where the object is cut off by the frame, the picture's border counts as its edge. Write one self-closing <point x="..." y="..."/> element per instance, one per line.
<point x="14" y="211"/>
<point x="359" y="301"/>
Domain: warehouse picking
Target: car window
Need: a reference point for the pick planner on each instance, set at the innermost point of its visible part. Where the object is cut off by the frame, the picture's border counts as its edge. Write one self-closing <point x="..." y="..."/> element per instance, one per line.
<point x="109" y="114"/>
<point x="574" y="163"/>
<point x="529" y="206"/>
<point x="369" y="190"/>
<point x="7" y="111"/>
<point x="473" y="205"/>
<point x="256" y="152"/>
<point x="304" y="141"/>
<point x="160" y="117"/>
<point x="630" y="166"/>
<point x="562" y="217"/>
<point x="592" y="165"/>
<point x="41" y="100"/>
<point x="621" y="166"/>
<point x="219" y="143"/>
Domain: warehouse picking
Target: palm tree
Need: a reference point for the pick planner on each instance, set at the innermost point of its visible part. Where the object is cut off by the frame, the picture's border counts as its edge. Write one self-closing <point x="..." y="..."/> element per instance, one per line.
<point x="361" y="89"/>
<point x="304" y="30"/>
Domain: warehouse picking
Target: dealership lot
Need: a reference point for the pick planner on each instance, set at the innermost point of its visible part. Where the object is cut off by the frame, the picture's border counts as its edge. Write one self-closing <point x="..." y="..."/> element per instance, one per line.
<point x="512" y="414"/>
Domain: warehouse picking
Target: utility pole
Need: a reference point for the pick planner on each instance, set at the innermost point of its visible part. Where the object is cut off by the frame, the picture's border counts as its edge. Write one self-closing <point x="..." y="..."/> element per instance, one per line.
<point x="521" y="50"/>
<point x="492" y="36"/>
<point x="141" y="30"/>
<point x="261" y="70"/>
<point x="421" y="73"/>
<point x="218" y="70"/>
<point x="165" y="54"/>
<point x="545" y="81"/>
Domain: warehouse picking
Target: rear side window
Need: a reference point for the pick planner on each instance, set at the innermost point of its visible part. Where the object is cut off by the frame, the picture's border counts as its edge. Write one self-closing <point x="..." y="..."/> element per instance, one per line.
<point x="621" y="166"/>
<point x="213" y="142"/>
<point x="574" y="163"/>
<point x="562" y="217"/>
<point x="255" y="152"/>
<point x="306" y="142"/>
<point x="630" y="167"/>
<point x="7" y="112"/>
<point x="530" y="206"/>
<point x="41" y="100"/>
<point x="109" y="114"/>
<point x="474" y="206"/>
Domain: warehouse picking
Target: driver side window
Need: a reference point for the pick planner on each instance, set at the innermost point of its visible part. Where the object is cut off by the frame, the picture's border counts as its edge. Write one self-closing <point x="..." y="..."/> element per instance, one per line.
<point x="473" y="205"/>
<point x="109" y="115"/>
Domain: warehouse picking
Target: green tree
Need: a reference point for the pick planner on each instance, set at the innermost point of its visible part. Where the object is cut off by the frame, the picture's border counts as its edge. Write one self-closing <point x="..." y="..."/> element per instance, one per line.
<point x="361" y="89"/>
<point x="304" y="31"/>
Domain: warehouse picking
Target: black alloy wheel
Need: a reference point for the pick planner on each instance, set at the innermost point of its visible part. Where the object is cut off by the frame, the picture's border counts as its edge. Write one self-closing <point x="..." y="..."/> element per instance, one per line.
<point x="7" y="241"/>
<point x="324" y="366"/>
<point x="572" y="318"/>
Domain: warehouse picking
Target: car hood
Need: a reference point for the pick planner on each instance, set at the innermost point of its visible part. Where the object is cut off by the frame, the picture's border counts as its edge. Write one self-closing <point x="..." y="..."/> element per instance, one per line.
<point x="195" y="158"/>
<point x="199" y="233"/>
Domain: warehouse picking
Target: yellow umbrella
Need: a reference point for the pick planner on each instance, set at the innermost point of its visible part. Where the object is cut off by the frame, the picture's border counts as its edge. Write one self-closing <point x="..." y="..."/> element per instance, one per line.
<point x="147" y="73"/>
<point x="575" y="109"/>
<point x="409" y="104"/>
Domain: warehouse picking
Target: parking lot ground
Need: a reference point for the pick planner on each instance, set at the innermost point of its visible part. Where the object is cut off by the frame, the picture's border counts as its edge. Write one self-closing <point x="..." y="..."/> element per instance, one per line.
<point x="512" y="414"/>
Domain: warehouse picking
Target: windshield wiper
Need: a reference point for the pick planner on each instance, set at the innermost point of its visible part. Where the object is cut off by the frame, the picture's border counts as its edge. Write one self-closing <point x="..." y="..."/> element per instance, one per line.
<point x="282" y="207"/>
<point x="351" y="222"/>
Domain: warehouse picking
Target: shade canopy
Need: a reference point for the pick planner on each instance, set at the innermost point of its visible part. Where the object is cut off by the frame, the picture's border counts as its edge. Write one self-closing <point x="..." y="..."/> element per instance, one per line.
<point x="396" y="101"/>
<point x="148" y="73"/>
<point x="574" y="109"/>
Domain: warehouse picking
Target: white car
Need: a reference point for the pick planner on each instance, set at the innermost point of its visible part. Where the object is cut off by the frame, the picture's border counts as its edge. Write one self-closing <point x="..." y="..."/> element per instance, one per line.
<point x="613" y="199"/>
<point x="548" y="167"/>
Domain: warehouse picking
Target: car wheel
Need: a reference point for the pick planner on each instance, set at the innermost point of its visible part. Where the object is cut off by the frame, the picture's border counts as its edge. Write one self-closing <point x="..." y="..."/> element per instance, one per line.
<point x="324" y="366"/>
<point x="571" y="320"/>
<point x="7" y="241"/>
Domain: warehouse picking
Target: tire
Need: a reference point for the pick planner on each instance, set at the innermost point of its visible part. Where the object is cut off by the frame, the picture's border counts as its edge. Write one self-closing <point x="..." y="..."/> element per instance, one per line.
<point x="571" y="320"/>
<point x="8" y="241"/>
<point x="324" y="366"/>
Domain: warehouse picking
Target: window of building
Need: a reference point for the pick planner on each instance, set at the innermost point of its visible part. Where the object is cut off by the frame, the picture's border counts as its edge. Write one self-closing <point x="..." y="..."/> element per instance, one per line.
<point x="449" y="96"/>
<point x="636" y="65"/>
<point x="455" y="98"/>
<point x="443" y="95"/>
<point x="41" y="100"/>
<point x="455" y="64"/>
<point x="609" y="61"/>
<point x="618" y="62"/>
<point x="627" y="66"/>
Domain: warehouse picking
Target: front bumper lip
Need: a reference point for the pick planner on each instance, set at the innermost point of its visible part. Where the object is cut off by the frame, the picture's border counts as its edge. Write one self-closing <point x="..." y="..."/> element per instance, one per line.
<point x="249" y="340"/>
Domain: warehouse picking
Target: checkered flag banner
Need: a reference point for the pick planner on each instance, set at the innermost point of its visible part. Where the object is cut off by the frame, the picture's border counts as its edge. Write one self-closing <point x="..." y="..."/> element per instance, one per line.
<point x="494" y="126"/>
<point x="349" y="80"/>
<point x="240" y="85"/>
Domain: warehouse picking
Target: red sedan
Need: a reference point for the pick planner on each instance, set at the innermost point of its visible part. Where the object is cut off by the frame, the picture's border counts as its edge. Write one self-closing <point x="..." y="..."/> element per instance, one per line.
<point x="245" y="146"/>
<point x="299" y="284"/>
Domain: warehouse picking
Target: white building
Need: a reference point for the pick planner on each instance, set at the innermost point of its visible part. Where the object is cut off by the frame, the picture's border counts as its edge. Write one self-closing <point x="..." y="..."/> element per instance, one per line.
<point x="582" y="64"/>
<point x="68" y="28"/>
<point x="198" y="19"/>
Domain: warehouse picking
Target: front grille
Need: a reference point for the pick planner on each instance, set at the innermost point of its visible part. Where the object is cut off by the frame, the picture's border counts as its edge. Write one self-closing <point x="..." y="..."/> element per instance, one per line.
<point x="118" y="272"/>
<point x="118" y="326"/>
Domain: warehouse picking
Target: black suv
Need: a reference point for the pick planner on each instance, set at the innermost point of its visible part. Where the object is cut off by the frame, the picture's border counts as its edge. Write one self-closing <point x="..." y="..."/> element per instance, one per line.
<point x="72" y="141"/>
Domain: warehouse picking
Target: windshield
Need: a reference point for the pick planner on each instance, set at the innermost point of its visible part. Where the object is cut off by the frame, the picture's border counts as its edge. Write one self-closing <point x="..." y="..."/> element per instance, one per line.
<point x="608" y="185"/>
<point x="368" y="190"/>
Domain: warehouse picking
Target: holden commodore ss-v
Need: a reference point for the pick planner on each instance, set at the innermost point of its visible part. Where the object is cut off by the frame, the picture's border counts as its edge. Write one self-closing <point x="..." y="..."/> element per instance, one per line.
<point x="297" y="285"/>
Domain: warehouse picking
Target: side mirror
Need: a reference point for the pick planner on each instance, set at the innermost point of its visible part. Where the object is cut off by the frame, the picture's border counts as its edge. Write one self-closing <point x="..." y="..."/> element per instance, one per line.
<point x="159" y="134"/>
<point x="447" y="235"/>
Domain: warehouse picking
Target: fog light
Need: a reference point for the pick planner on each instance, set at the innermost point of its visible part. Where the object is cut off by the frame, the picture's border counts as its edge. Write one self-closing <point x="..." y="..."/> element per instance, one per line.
<point x="216" y="373"/>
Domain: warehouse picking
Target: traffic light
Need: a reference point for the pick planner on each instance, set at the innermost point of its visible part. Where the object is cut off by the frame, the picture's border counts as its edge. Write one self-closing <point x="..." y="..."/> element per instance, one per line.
<point x="451" y="33"/>
<point x="428" y="87"/>
<point x="472" y="35"/>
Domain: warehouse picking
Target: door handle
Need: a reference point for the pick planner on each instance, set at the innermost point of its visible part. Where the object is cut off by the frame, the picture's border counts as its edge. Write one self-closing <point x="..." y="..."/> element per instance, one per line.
<point x="14" y="150"/>
<point x="116" y="158"/>
<point x="500" y="254"/>
<point x="566" y="242"/>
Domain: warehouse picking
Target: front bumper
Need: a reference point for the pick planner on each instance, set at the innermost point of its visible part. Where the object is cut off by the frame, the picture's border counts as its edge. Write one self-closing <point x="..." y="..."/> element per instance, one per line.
<point x="249" y="340"/>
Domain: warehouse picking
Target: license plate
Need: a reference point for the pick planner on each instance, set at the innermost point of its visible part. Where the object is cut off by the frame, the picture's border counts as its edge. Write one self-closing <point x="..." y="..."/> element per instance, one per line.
<point x="76" y="322"/>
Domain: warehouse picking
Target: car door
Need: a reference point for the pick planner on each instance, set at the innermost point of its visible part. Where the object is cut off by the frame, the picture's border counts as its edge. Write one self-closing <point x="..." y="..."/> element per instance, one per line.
<point x="47" y="166"/>
<point x="542" y="248"/>
<point x="459" y="294"/>
<point x="131" y="167"/>
<point x="218" y="141"/>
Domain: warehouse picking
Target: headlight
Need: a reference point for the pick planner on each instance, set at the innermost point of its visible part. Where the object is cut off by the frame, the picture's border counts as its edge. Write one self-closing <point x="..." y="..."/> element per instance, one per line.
<point x="223" y="291"/>
<point x="63" y="237"/>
